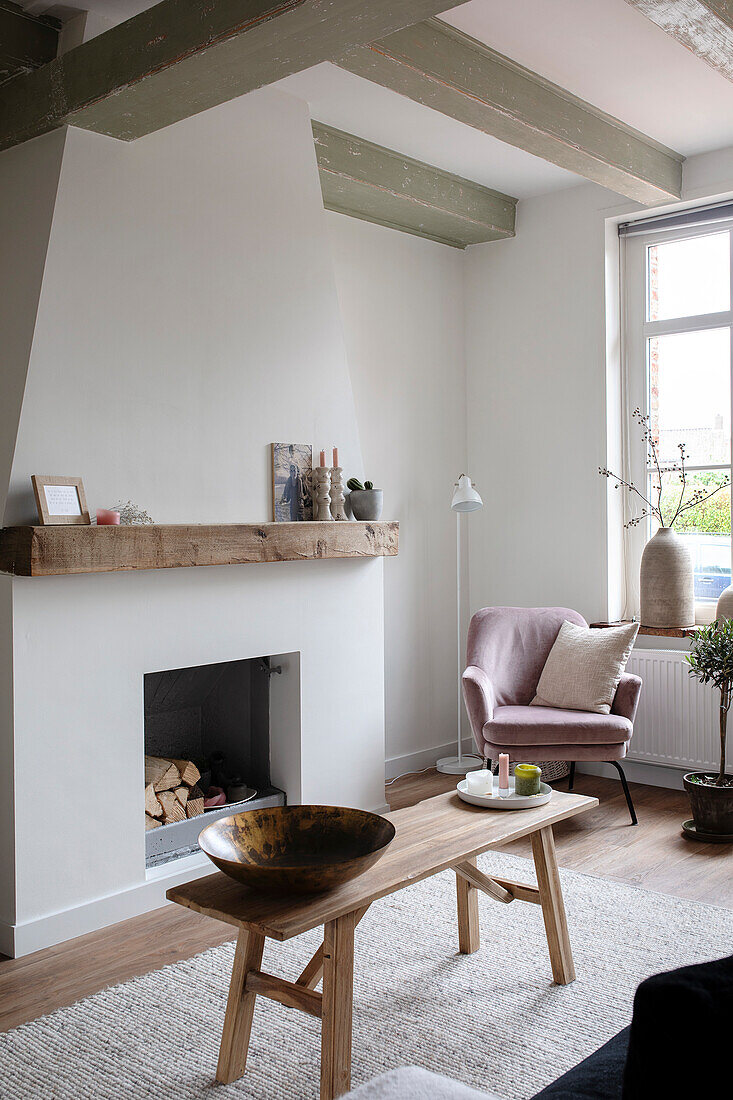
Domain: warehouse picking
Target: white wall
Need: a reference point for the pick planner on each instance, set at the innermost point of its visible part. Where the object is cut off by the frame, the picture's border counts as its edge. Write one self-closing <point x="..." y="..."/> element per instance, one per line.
<point x="188" y="318"/>
<point x="402" y="309"/>
<point x="28" y="182"/>
<point x="536" y="330"/>
<point x="535" y="339"/>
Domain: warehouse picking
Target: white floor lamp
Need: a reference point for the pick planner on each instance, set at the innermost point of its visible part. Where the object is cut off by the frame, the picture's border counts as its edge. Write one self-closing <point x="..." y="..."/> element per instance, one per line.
<point x="465" y="499"/>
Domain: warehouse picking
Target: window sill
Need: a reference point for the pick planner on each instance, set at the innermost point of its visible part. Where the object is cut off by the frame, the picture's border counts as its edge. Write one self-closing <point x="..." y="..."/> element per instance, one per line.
<point x="656" y="631"/>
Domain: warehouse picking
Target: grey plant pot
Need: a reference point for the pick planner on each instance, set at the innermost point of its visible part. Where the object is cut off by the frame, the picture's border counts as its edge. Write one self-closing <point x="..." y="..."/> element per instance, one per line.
<point x="366" y="504"/>
<point x="712" y="807"/>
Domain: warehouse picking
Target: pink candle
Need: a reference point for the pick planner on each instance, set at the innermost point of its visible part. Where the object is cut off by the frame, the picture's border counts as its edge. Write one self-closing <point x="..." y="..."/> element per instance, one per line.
<point x="323" y="458"/>
<point x="335" y="457"/>
<point x="106" y="517"/>
<point x="503" y="771"/>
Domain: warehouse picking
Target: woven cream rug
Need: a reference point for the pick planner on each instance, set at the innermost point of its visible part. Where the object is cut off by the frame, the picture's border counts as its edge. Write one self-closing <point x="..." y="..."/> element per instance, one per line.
<point x="493" y="1019"/>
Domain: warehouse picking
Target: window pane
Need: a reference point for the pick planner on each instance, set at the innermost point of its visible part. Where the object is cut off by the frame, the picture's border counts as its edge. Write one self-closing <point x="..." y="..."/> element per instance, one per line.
<point x="705" y="527"/>
<point x="689" y="395"/>
<point x="688" y="277"/>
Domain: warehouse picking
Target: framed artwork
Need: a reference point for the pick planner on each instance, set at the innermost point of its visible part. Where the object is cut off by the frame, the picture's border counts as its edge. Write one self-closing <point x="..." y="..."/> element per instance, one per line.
<point x="60" y="499"/>
<point x="292" y="481"/>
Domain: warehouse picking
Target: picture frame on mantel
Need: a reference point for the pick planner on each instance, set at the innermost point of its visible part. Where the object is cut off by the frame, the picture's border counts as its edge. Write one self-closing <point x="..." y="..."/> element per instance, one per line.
<point x="292" y="482"/>
<point x="60" y="500"/>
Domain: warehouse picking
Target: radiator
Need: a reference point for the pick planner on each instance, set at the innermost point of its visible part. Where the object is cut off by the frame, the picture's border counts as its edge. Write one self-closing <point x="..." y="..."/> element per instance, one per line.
<point x="677" y="719"/>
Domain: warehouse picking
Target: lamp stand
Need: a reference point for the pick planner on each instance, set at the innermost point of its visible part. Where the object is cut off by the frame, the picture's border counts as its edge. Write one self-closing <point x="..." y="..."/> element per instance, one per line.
<point x="459" y="764"/>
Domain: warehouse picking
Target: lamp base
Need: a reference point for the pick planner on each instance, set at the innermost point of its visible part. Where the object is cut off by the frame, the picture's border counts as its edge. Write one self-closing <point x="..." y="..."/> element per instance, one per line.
<point x="452" y="765"/>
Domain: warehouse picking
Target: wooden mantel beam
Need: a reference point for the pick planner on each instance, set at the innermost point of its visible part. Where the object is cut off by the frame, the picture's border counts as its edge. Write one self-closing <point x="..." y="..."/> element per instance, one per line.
<point x="442" y="68"/>
<point x="379" y="185"/>
<point x="704" y="26"/>
<point x="179" y="58"/>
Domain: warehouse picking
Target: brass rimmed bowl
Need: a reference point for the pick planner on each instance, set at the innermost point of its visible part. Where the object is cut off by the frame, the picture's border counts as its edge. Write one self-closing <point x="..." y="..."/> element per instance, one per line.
<point x="303" y="849"/>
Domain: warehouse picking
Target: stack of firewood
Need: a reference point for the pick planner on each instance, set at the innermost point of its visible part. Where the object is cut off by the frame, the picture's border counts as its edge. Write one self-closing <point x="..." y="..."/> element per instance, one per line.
<point x="171" y="791"/>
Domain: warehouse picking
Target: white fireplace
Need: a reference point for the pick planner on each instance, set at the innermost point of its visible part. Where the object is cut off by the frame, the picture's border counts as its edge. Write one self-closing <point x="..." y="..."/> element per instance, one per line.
<point x="173" y="312"/>
<point x="82" y="645"/>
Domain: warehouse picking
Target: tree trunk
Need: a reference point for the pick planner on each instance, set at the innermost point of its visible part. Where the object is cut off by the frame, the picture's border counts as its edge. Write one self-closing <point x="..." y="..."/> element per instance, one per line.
<point x="725" y="698"/>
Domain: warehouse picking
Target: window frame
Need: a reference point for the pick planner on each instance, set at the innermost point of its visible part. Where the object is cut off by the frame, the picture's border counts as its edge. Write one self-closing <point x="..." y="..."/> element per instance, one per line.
<point x="637" y="330"/>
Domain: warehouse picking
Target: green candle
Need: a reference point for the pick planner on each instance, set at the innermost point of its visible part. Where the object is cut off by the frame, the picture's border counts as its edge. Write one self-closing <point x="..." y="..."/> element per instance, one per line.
<point x="526" y="779"/>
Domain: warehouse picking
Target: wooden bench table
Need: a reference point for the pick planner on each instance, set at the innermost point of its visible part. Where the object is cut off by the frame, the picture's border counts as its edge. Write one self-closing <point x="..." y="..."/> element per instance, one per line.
<point x="439" y="833"/>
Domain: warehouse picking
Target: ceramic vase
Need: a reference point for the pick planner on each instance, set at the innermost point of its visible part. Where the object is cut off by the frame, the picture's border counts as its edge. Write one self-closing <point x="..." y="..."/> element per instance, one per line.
<point x="666" y="582"/>
<point x="724" y="608"/>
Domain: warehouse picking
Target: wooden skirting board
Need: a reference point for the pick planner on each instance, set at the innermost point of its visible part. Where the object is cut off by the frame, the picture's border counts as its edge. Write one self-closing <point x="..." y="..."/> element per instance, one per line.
<point x="51" y="551"/>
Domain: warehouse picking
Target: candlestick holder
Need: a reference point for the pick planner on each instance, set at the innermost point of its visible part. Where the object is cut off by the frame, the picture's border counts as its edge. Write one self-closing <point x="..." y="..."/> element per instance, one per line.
<point x="322" y="499"/>
<point x="337" y="494"/>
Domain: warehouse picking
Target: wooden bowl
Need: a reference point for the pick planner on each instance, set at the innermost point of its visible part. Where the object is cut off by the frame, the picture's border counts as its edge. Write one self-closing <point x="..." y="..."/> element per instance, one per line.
<point x="303" y="849"/>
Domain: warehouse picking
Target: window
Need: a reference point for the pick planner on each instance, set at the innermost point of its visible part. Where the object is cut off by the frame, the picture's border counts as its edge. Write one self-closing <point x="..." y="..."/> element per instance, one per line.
<point x="678" y="332"/>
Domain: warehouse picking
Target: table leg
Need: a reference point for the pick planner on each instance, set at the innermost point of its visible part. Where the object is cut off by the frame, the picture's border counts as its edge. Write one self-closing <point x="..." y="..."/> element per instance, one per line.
<point x="469" y="933"/>
<point x="240" y="1009"/>
<point x="313" y="972"/>
<point x="338" y="989"/>
<point x="553" y="907"/>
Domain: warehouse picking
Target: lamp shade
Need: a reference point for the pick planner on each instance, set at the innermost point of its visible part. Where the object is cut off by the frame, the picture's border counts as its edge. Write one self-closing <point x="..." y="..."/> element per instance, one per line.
<point x="465" y="497"/>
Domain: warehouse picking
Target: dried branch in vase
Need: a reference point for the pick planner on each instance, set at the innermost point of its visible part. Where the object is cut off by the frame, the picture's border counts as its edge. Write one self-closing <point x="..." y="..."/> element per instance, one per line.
<point x="666" y="514"/>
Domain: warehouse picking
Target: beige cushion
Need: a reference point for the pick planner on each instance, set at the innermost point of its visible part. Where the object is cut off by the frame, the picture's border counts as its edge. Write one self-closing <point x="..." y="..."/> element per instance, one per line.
<point x="584" y="667"/>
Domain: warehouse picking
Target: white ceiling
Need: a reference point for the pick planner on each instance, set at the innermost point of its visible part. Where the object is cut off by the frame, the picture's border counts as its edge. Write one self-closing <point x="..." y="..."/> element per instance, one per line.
<point x="602" y="50"/>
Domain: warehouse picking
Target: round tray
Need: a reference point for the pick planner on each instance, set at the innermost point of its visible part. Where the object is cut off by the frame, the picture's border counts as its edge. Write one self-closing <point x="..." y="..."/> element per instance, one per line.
<point x="513" y="802"/>
<point x="688" y="829"/>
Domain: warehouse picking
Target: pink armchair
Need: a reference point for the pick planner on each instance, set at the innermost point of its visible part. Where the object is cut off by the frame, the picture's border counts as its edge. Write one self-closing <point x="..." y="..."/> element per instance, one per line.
<point x="506" y="652"/>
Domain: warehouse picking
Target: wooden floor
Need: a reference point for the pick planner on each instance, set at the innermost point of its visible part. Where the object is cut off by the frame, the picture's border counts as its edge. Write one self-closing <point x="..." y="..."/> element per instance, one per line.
<point x="602" y="842"/>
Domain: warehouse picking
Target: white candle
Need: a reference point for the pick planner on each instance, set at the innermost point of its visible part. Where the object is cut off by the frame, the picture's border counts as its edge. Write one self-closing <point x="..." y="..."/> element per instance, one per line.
<point x="480" y="782"/>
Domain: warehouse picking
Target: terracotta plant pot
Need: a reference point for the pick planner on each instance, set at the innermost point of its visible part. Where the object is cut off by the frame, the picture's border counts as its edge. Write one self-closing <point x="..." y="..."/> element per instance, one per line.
<point x="366" y="504"/>
<point x="667" y="582"/>
<point x="712" y="807"/>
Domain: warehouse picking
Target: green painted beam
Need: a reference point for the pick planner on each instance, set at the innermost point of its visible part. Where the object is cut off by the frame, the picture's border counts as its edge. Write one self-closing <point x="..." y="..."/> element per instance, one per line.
<point x="26" y="41"/>
<point x="379" y="185"/>
<point x="436" y="65"/>
<point x="179" y="58"/>
<point x="704" y="26"/>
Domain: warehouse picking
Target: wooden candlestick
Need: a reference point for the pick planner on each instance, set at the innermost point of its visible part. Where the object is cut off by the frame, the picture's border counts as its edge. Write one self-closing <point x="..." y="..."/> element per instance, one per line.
<point x="322" y="499"/>
<point x="337" y="493"/>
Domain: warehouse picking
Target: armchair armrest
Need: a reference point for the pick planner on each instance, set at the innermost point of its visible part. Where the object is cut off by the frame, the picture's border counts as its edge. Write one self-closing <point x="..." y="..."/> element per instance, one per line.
<point x="626" y="699"/>
<point x="478" y="693"/>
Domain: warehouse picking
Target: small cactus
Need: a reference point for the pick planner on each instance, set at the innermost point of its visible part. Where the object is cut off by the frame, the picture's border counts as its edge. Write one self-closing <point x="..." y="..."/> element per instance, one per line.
<point x="368" y="484"/>
<point x="354" y="484"/>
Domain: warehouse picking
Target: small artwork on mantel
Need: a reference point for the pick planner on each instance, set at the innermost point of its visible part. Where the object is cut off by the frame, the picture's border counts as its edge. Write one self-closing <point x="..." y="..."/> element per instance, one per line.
<point x="292" y="479"/>
<point x="59" y="499"/>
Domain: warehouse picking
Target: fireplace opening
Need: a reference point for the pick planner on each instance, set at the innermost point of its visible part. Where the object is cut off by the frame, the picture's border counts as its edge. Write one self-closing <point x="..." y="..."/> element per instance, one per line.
<point x="207" y="750"/>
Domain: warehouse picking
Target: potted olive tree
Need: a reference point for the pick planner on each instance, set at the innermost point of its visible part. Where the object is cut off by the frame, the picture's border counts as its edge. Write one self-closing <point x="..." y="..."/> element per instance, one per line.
<point x="711" y="796"/>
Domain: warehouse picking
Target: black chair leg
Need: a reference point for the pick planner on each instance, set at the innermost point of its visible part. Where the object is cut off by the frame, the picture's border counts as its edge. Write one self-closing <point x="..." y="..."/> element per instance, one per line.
<point x="627" y="792"/>
<point x="571" y="780"/>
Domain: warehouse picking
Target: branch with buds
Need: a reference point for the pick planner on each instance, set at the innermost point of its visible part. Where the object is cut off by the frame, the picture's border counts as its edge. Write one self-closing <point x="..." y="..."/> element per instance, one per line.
<point x="648" y="508"/>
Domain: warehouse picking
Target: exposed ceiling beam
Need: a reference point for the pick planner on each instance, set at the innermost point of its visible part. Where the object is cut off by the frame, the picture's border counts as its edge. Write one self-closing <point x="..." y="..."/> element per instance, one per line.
<point x="703" y="26"/>
<point x="434" y="64"/>
<point x="178" y="58"/>
<point x="379" y="185"/>
<point x="25" y="41"/>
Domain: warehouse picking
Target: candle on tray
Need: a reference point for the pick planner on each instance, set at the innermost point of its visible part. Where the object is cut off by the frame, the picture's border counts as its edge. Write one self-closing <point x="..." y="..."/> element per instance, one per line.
<point x="106" y="517"/>
<point x="503" y="775"/>
<point x="527" y="779"/>
<point x="335" y="457"/>
<point x="480" y="782"/>
<point x="323" y="458"/>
